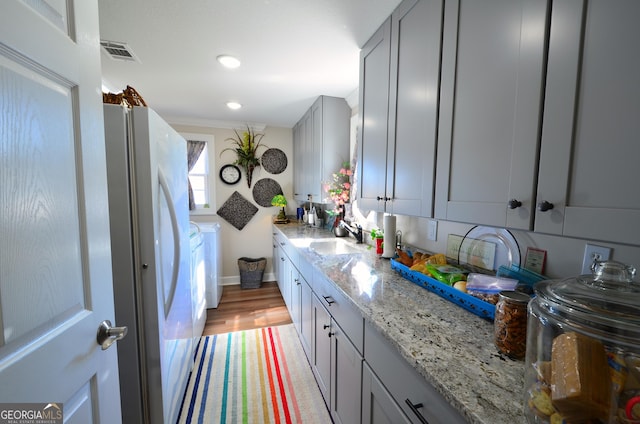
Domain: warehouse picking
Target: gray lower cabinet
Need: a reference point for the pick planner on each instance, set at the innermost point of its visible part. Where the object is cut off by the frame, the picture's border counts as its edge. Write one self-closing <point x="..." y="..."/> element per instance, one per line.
<point x="306" y="319"/>
<point x="337" y="362"/>
<point x="321" y="357"/>
<point x="295" y="304"/>
<point x="282" y="268"/>
<point x="492" y="87"/>
<point x="346" y="378"/>
<point x="589" y="154"/>
<point x="378" y="406"/>
<point x="419" y="401"/>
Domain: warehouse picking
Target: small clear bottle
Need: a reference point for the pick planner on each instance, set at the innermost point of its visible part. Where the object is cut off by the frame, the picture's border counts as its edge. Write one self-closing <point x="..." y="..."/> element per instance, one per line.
<point x="510" y="324"/>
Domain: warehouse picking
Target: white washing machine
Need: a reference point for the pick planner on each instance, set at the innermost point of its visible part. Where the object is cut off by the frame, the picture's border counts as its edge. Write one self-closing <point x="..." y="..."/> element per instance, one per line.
<point x="213" y="262"/>
<point x="198" y="281"/>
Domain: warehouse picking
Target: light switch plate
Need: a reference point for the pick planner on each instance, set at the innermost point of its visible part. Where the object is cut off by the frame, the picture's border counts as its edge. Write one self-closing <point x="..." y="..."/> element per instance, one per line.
<point x="432" y="230"/>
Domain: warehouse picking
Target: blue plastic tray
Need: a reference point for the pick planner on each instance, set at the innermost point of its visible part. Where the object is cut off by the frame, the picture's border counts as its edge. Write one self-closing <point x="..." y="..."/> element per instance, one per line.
<point x="472" y="304"/>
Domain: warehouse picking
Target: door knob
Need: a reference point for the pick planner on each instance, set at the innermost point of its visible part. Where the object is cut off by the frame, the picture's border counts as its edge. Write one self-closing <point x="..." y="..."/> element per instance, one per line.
<point x="108" y="334"/>
<point x="514" y="203"/>
<point x="545" y="206"/>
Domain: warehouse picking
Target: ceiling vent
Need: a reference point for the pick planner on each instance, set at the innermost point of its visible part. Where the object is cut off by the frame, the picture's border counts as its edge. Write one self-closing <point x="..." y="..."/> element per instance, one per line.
<point x="118" y="51"/>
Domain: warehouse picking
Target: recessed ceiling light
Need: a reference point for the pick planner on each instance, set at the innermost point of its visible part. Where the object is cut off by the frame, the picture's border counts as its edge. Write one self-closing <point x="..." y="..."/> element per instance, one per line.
<point x="234" y="105"/>
<point x="228" y="61"/>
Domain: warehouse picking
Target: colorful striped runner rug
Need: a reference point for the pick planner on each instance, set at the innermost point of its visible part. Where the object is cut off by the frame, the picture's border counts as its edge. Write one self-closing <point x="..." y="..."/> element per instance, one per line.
<point x="252" y="376"/>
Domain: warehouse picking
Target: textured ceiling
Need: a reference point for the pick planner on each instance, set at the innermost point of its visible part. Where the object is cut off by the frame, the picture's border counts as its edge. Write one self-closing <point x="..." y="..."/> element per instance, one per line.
<point x="291" y="51"/>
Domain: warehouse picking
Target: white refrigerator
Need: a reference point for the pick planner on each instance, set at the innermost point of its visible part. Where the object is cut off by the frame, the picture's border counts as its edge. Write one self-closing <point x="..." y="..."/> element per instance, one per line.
<point x="149" y="216"/>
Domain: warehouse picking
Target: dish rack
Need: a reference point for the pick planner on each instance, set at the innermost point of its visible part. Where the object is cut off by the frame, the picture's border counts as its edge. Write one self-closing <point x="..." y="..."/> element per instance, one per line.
<point x="472" y="304"/>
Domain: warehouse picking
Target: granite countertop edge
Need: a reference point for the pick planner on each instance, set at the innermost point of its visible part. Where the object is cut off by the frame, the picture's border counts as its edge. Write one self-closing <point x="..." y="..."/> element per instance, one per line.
<point x="450" y="347"/>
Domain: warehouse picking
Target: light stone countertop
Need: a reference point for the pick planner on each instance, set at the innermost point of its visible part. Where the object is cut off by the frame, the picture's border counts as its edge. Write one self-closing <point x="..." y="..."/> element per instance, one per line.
<point x="450" y="347"/>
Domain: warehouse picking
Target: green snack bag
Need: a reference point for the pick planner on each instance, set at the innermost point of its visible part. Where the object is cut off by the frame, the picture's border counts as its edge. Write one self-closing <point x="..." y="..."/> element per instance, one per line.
<point x="446" y="274"/>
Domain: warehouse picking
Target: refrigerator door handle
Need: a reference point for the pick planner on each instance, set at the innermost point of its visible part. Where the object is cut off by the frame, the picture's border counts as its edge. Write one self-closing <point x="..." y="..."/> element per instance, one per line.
<point x="176" y="241"/>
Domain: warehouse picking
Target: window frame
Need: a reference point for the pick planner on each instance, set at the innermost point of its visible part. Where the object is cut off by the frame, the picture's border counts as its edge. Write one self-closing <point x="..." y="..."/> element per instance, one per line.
<point x="210" y="140"/>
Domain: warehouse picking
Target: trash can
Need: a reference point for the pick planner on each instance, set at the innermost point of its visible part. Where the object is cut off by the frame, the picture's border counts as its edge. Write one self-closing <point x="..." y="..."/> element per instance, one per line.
<point x="251" y="272"/>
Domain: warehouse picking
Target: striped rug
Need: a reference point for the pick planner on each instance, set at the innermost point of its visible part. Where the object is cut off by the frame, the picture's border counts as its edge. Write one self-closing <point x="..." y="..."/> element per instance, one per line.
<point x="253" y="376"/>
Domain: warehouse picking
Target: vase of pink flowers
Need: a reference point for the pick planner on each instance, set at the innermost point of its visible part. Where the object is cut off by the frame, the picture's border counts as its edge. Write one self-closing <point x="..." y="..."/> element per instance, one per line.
<point x="338" y="191"/>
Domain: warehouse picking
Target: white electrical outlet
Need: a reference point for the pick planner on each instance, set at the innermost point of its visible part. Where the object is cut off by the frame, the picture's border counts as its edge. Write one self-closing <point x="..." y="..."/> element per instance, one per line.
<point x="432" y="230"/>
<point x="592" y="253"/>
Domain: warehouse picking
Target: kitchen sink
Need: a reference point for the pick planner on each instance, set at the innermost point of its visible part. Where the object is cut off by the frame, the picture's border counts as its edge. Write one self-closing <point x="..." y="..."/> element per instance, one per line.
<point x="334" y="247"/>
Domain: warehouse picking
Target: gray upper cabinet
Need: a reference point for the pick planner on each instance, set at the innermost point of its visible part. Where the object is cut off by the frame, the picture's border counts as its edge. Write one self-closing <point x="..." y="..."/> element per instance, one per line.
<point x="374" y="114"/>
<point x="589" y="156"/>
<point x="400" y="75"/>
<point x="490" y="110"/>
<point x="299" y="144"/>
<point x="321" y="145"/>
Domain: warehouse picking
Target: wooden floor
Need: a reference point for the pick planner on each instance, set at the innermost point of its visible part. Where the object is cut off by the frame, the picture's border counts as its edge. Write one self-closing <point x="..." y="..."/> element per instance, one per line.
<point x="246" y="309"/>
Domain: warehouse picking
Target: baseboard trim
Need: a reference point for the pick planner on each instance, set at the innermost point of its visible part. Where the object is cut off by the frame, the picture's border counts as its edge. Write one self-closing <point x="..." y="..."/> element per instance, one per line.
<point x="235" y="279"/>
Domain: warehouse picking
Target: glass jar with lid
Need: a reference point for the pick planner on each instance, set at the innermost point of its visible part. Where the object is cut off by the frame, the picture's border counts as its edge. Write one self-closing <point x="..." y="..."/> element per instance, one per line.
<point x="510" y="323"/>
<point x="582" y="360"/>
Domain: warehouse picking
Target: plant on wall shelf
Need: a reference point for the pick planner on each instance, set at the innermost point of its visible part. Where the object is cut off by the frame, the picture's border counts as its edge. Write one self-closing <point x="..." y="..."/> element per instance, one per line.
<point x="246" y="147"/>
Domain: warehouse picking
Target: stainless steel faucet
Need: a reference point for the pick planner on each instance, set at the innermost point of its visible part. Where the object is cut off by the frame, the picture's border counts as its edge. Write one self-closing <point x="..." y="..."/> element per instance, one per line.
<point x="357" y="233"/>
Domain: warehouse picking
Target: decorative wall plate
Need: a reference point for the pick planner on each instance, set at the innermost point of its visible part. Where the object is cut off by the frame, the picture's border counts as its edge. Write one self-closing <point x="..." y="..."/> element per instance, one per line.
<point x="274" y="161"/>
<point x="507" y="250"/>
<point x="237" y="210"/>
<point x="264" y="190"/>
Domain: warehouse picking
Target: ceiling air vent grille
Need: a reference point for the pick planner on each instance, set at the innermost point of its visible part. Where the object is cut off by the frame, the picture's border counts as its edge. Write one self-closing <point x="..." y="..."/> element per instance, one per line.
<point x="118" y="51"/>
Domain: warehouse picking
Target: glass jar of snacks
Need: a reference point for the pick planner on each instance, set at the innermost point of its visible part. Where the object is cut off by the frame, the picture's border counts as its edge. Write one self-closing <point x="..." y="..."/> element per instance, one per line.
<point x="582" y="362"/>
<point x="510" y="324"/>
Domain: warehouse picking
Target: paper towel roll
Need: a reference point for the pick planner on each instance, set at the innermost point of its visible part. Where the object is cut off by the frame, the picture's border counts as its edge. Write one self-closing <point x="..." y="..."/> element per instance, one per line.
<point x="389" y="224"/>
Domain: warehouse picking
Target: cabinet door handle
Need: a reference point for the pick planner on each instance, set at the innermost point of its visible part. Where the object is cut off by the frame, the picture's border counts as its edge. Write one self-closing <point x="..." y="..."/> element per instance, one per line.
<point x="414" y="408"/>
<point x="325" y="326"/>
<point x="545" y="206"/>
<point x="297" y="281"/>
<point x="379" y="198"/>
<point x="514" y="203"/>
<point x="282" y="259"/>
<point x="329" y="300"/>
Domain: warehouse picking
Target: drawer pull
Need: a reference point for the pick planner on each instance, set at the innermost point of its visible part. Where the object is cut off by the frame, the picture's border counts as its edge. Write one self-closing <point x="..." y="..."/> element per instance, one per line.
<point x="329" y="300"/>
<point x="414" y="408"/>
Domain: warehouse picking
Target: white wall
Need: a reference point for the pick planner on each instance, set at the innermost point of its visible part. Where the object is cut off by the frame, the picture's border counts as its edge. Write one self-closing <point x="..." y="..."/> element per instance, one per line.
<point x="255" y="239"/>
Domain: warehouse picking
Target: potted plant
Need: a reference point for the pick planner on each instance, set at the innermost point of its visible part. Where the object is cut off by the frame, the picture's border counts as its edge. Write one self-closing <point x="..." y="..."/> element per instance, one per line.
<point x="377" y="235"/>
<point x="246" y="147"/>
<point x="280" y="201"/>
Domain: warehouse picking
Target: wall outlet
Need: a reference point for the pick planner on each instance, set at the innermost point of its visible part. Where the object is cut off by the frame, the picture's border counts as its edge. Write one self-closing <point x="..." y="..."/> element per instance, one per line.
<point x="592" y="253"/>
<point x="432" y="230"/>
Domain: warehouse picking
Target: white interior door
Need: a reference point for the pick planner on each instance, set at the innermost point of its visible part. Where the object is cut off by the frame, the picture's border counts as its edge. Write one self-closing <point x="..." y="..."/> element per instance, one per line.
<point x="55" y="263"/>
